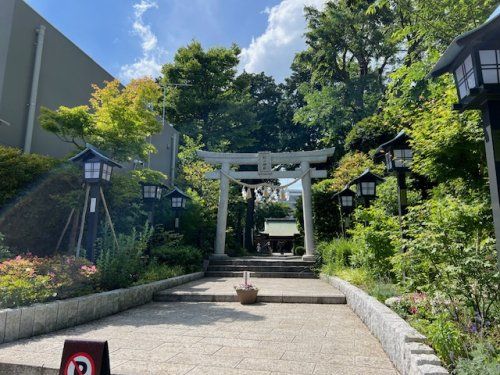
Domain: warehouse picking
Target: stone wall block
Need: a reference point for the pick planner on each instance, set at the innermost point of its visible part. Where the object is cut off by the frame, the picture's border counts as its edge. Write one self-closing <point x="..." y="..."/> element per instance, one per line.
<point x="27" y="321"/>
<point x="3" y="319"/>
<point x="51" y="309"/>
<point x="12" y="324"/>
<point x="67" y="313"/>
<point x="86" y="306"/>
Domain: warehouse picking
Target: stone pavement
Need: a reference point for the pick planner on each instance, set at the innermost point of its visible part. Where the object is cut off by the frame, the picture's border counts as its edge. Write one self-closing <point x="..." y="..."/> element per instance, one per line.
<point x="218" y="338"/>
<point x="270" y="290"/>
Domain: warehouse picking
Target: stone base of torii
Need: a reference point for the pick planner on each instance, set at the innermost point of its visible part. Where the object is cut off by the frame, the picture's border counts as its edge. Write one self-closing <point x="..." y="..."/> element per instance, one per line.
<point x="265" y="162"/>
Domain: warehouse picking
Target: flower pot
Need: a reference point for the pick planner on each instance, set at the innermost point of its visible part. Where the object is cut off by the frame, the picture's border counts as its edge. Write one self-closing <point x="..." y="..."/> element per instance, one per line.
<point x="248" y="296"/>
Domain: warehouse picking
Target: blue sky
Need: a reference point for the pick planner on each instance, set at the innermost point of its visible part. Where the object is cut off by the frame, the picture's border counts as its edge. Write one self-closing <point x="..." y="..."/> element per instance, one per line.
<point x="131" y="38"/>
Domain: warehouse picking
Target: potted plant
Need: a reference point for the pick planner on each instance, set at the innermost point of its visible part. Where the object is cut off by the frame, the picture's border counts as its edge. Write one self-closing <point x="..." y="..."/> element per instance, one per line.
<point x="247" y="292"/>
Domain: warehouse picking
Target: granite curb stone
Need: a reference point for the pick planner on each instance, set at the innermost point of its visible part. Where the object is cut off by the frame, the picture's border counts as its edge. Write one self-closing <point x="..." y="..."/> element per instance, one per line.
<point x="403" y="344"/>
<point x="42" y="318"/>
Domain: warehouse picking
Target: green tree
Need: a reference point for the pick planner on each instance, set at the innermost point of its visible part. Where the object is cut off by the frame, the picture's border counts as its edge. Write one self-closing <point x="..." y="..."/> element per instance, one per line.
<point x="210" y="105"/>
<point x="118" y="119"/>
<point x="349" y="52"/>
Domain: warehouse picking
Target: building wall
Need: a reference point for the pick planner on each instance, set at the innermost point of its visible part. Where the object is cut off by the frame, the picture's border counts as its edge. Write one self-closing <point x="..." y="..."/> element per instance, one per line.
<point x="66" y="78"/>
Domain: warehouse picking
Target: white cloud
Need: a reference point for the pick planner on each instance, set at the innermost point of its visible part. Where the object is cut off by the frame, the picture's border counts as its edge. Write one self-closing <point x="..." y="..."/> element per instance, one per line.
<point x="149" y="63"/>
<point x="273" y="51"/>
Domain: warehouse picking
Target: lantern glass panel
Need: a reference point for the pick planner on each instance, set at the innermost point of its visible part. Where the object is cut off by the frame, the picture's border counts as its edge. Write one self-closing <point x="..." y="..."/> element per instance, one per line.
<point x="490" y="66"/>
<point x="368" y="188"/>
<point x="149" y="191"/>
<point x="106" y="171"/>
<point x="92" y="170"/>
<point x="346" y="201"/>
<point x="465" y="77"/>
<point x="403" y="158"/>
<point x="177" y="202"/>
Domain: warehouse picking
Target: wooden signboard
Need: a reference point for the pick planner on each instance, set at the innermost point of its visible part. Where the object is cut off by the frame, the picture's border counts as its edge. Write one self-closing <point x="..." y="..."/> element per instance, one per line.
<point x="85" y="357"/>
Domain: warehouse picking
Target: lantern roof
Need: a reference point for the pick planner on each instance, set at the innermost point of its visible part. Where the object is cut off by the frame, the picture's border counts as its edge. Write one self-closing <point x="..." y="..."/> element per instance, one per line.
<point x="153" y="184"/>
<point x="366" y="176"/>
<point x="93" y="152"/>
<point x="176" y="192"/>
<point x="464" y="42"/>
<point x="399" y="140"/>
<point x="345" y="192"/>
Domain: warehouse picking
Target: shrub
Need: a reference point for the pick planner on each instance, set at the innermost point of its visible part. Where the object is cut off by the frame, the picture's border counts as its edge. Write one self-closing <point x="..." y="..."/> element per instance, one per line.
<point x="188" y="257"/>
<point x="376" y="234"/>
<point x="17" y="170"/>
<point x="35" y="222"/>
<point x="121" y="266"/>
<point x="28" y="279"/>
<point x="156" y="272"/>
<point x="444" y="336"/>
<point x="336" y="253"/>
<point x="4" y="249"/>
<point x="483" y="360"/>
<point x="453" y="252"/>
<point x="299" y="250"/>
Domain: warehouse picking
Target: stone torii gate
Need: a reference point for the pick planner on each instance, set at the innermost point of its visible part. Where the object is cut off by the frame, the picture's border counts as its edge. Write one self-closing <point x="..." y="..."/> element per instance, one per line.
<point x="265" y="162"/>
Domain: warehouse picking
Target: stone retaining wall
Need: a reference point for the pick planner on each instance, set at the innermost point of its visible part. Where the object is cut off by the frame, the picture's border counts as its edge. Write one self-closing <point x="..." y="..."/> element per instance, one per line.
<point x="403" y="344"/>
<point x="43" y="318"/>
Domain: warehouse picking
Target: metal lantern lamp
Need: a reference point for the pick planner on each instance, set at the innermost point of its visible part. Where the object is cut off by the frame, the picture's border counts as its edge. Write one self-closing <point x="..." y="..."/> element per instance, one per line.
<point x="366" y="185"/>
<point x="151" y="193"/>
<point x="97" y="169"/>
<point x="397" y="156"/>
<point x="347" y="200"/>
<point x="178" y="201"/>
<point x="474" y="60"/>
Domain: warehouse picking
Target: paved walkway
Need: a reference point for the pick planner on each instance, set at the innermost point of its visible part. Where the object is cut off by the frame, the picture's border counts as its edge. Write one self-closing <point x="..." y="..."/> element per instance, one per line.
<point x="220" y="338"/>
<point x="212" y="289"/>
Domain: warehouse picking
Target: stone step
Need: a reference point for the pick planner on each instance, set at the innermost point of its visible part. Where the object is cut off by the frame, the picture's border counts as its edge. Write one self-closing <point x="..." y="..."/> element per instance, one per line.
<point x="295" y="275"/>
<point x="273" y="268"/>
<point x="262" y="263"/>
<point x="166" y="296"/>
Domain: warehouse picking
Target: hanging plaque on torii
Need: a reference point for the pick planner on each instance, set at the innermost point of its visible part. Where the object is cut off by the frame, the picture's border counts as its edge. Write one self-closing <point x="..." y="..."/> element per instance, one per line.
<point x="265" y="161"/>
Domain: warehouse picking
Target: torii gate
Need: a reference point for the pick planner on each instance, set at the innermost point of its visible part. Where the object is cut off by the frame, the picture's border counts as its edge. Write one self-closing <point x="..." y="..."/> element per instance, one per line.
<point x="265" y="161"/>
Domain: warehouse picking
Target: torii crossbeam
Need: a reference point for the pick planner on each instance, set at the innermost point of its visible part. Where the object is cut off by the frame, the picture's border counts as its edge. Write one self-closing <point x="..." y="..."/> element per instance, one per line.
<point x="265" y="161"/>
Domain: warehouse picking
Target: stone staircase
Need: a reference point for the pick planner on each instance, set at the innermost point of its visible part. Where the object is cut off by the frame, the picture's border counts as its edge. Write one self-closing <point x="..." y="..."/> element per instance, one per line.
<point x="268" y="267"/>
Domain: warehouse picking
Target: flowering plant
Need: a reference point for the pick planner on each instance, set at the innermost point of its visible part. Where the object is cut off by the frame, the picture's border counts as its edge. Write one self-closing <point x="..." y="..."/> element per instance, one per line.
<point x="246" y="285"/>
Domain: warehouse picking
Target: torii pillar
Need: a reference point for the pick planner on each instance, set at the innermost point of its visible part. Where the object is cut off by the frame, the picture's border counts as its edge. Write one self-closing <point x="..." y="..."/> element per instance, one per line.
<point x="265" y="161"/>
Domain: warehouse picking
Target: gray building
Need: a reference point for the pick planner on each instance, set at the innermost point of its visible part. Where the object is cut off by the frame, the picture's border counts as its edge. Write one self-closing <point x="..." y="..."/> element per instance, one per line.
<point x="39" y="66"/>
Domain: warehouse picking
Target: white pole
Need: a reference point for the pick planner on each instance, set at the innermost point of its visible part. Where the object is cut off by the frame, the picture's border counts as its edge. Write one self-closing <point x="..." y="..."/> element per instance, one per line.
<point x="307" y="211"/>
<point x="220" y="239"/>
<point x="28" y="138"/>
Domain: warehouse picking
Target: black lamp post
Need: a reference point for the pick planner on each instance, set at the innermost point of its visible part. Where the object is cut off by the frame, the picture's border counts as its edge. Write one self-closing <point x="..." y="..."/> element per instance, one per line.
<point x="346" y="199"/>
<point x="97" y="169"/>
<point x="397" y="156"/>
<point x="178" y="201"/>
<point x="151" y="193"/>
<point x="474" y="60"/>
<point x="366" y="186"/>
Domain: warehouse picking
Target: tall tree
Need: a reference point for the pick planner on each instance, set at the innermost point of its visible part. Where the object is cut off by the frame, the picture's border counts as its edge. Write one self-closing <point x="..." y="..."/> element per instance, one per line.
<point x="208" y="105"/>
<point x="349" y="52"/>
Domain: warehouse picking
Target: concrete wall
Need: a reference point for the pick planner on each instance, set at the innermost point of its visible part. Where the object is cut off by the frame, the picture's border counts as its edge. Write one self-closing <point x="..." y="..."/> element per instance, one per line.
<point x="66" y="76"/>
